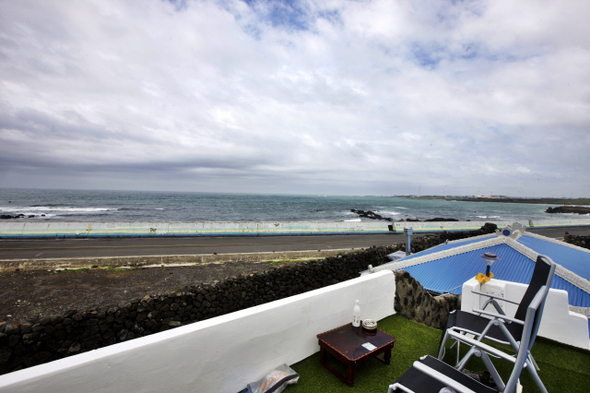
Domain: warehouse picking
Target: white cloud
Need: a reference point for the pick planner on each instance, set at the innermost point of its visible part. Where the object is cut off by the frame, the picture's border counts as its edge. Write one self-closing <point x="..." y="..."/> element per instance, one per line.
<point x="310" y="96"/>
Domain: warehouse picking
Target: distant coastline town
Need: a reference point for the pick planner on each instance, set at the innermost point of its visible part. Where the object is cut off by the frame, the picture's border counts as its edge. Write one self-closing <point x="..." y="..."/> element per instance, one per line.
<point x="502" y="198"/>
<point x="565" y="205"/>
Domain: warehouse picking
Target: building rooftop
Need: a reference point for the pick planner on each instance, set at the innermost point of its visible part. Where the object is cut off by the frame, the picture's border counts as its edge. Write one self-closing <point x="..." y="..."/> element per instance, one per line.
<point x="444" y="268"/>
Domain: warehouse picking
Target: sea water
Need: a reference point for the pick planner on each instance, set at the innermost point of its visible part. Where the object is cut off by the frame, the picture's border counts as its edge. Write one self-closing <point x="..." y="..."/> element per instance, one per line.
<point x="129" y="206"/>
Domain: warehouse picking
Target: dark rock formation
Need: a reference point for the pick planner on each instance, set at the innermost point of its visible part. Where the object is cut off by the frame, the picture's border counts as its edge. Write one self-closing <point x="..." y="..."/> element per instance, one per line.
<point x="9" y="217"/>
<point x="568" y="209"/>
<point x="576" y="240"/>
<point x="370" y="214"/>
<point x="375" y="216"/>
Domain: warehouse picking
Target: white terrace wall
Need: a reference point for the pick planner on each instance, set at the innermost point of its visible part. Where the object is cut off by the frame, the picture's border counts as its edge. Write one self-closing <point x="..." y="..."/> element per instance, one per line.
<point x="220" y="354"/>
<point x="558" y="323"/>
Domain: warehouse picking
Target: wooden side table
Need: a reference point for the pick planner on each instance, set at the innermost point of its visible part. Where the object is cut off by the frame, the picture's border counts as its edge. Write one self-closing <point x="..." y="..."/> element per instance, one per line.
<point x="346" y="344"/>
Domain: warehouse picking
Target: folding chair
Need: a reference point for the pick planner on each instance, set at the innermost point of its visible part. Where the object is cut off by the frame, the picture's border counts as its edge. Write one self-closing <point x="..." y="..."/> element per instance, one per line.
<point x="430" y="375"/>
<point x="500" y="328"/>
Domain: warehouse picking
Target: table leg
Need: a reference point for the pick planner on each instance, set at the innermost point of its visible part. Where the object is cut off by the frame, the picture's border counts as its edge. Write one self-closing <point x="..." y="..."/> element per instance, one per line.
<point x="350" y="374"/>
<point x="387" y="355"/>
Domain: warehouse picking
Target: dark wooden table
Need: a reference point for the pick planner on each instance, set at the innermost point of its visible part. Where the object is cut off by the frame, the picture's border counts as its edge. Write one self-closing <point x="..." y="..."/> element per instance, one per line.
<point x="346" y="344"/>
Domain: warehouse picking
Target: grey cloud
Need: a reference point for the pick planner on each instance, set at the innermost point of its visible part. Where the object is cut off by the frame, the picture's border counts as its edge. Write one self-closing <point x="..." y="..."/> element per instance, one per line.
<point x="333" y="97"/>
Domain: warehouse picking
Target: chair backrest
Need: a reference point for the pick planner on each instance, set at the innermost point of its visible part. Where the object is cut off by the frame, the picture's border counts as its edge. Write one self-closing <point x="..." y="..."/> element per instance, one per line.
<point x="542" y="276"/>
<point x="532" y="322"/>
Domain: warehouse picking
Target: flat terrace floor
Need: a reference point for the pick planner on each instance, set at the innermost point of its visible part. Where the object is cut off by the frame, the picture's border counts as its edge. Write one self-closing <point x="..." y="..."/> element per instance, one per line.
<point x="563" y="368"/>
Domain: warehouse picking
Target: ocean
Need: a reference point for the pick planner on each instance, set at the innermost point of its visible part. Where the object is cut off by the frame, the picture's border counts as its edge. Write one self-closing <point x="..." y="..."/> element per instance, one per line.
<point x="131" y="206"/>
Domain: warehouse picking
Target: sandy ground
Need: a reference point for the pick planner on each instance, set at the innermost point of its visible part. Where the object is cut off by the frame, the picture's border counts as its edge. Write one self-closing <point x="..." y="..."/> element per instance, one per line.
<point x="26" y="295"/>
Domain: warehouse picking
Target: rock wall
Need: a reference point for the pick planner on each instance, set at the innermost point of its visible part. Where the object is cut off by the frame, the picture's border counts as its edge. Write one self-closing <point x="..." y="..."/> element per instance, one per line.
<point x="412" y="301"/>
<point x="28" y="343"/>
<point x="580" y="241"/>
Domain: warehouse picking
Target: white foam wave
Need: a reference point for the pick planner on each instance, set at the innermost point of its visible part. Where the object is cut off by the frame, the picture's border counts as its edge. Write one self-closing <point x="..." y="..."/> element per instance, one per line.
<point x="54" y="210"/>
<point x="387" y="213"/>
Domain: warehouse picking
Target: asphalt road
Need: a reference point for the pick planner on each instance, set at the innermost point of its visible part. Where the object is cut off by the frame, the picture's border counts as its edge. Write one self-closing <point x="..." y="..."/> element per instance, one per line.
<point x="119" y="247"/>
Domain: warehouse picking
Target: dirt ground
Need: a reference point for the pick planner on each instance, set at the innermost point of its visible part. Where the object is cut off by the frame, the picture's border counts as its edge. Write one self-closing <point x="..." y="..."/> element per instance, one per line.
<point x="25" y="295"/>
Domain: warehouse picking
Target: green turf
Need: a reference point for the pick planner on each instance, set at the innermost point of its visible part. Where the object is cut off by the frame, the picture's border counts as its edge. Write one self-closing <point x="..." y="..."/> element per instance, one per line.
<point x="563" y="368"/>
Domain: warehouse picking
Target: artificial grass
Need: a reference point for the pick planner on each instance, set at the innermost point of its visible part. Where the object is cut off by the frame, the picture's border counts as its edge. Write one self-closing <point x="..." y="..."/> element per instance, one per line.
<point x="563" y="368"/>
<point x="413" y="341"/>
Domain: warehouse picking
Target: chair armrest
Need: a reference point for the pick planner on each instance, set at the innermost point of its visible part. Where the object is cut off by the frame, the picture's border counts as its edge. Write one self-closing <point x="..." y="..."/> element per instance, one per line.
<point x="483" y="346"/>
<point x="494" y="296"/>
<point x="498" y="316"/>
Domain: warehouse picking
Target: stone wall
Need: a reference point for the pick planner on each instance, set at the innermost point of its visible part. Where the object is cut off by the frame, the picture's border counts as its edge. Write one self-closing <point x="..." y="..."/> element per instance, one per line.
<point x="580" y="241"/>
<point x="412" y="301"/>
<point x="28" y="343"/>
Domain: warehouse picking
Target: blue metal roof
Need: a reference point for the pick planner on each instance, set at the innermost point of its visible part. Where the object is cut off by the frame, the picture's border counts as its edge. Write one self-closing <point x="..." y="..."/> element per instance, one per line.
<point x="512" y="266"/>
<point x="573" y="259"/>
<point x="448" y="246"/>
<point x="448" y="274"/>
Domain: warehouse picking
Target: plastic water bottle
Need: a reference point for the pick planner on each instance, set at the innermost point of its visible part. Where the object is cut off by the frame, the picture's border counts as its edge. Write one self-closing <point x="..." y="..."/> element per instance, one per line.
<point x="356" y="315"/>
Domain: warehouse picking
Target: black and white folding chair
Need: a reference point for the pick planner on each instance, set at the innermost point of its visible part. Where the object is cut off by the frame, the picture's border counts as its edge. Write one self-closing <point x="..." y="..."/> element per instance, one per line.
<point x="496" y="326"/>
<point x="432" y="375"/>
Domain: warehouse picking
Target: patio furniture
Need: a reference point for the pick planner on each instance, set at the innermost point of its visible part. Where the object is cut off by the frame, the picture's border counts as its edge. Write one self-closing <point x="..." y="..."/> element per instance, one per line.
<point x="431" y="375"/>
<point x="353" y="346"/>
<point x="498" y="327"/>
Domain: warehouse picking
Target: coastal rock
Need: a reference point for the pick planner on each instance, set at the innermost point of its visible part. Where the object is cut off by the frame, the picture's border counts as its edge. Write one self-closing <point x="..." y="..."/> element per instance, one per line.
<point x="577" y="240"/>
<point x="10" y="217"/>
<point x="13" y="217"/>
<point x="568" y="209"/>
<point x="370" y="214"/>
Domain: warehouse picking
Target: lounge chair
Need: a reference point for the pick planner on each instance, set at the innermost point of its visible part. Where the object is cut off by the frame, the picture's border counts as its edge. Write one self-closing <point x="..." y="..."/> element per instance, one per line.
<point x="432" y="375"/>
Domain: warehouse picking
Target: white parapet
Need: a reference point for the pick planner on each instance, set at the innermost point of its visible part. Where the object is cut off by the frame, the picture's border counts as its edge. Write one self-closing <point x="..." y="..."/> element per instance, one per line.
<point x="558" y="323"/>
<point x="220" y="354"/>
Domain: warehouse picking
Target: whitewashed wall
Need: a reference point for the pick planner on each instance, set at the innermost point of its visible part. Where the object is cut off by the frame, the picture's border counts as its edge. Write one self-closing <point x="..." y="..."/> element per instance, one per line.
<point x="221" y="354"/>
<point x="558" y="323"/>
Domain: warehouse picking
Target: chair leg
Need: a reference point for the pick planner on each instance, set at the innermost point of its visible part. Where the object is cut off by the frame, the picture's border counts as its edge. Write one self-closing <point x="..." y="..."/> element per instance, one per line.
<point x="532" y="360"/>
<point x="492" y="370"/>
<point x="441" y="348"/>
<point x="535" y="376"/>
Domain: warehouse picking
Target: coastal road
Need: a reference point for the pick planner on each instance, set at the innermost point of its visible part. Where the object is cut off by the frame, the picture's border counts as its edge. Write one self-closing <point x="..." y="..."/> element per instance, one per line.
<point x="11" y="249"/>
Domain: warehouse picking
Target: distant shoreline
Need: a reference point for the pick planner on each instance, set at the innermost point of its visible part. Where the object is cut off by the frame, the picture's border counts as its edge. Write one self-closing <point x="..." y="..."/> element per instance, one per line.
<point x="543" y="201"/>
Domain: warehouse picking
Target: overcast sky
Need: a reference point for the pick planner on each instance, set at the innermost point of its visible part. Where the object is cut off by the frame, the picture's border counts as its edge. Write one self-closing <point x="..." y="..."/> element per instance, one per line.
<point x="305" y="97"/>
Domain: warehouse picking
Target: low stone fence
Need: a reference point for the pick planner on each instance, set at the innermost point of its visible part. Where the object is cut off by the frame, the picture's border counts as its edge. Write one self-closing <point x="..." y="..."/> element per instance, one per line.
<point x="28" y="343"/>
<point x="576" y="240"/>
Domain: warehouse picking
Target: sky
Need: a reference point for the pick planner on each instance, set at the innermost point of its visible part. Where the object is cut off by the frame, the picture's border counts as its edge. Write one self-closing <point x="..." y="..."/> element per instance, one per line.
<point x="336" y="97"/>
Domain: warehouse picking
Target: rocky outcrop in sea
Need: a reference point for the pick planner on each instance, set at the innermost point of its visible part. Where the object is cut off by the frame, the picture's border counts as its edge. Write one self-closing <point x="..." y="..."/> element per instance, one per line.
<point x="569" y="209"/>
